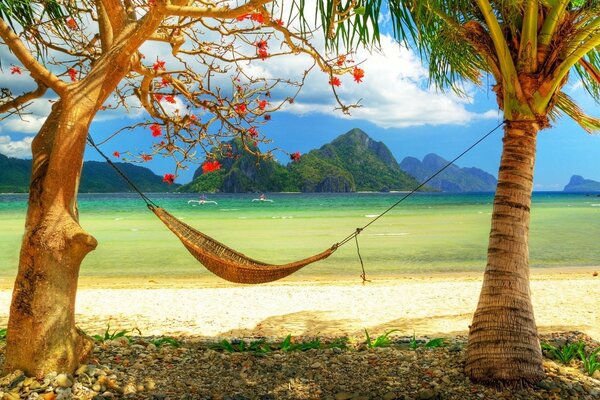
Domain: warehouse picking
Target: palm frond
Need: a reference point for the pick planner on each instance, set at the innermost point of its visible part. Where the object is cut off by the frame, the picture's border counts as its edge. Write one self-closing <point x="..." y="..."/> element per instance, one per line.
<point x="566" y="105"/>
<point x="588" y="70"/>
<point x="344" y="23"/>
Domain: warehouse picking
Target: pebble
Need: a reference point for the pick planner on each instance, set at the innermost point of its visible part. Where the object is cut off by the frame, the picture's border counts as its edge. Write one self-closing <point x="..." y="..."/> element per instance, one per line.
<point x="344" y="396"/>
<point x="63" y="381"/>
<point x="427" y="394"/>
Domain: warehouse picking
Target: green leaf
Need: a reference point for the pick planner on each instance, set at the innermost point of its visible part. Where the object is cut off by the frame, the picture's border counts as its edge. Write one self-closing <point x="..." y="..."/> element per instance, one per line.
<point x="360" y="10"/>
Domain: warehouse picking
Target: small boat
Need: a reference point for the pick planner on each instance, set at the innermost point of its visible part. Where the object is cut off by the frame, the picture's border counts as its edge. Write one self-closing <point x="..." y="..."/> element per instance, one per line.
<point x="202" y="200"/>
<point x="262" y="197"/>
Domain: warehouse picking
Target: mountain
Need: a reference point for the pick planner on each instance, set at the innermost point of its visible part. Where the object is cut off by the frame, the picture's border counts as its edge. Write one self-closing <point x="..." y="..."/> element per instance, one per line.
<point x="453" y="179"/>
<point x="99" y="177"/>
<point x="14" y="174"/>
<point x="579" y="184"/>
<point x="353" y="161"/>
<point x="370" y="163"/>
<point x="242" y="173"/>
<point x="96" y="177"/>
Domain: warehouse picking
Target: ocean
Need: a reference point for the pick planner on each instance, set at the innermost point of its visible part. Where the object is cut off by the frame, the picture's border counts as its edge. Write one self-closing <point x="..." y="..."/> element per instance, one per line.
<point x="427" y="233"/>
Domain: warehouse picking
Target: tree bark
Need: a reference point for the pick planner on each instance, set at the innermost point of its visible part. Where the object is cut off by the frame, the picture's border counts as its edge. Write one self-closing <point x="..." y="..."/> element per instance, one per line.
<point x="503" y="341"/>
<point x="42" y="335"/>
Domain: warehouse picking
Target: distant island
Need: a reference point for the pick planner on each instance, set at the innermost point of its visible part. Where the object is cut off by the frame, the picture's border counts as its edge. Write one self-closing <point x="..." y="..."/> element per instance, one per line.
<point x="352" y="162"/>
<point x="96" y="177"/>
<point x="580" y="184"/>
<point x="452" y="179"/>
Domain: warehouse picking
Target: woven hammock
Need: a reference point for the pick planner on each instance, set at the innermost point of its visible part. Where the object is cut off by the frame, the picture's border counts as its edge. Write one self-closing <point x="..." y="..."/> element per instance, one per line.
<point x="228" y="263"/>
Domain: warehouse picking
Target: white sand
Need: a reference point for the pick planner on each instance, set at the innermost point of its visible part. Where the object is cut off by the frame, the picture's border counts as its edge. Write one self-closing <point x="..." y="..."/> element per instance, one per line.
<point x="436" y="305"/>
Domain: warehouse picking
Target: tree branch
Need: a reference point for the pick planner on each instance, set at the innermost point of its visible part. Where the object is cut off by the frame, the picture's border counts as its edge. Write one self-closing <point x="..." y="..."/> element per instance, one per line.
<point x="210" y="12"/>
<point x="24" y="98"/>
<point x="39" y="72"/>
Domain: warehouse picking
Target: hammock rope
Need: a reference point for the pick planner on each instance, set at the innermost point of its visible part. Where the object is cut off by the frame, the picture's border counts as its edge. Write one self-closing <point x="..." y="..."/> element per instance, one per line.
<point x="236" y="267"/>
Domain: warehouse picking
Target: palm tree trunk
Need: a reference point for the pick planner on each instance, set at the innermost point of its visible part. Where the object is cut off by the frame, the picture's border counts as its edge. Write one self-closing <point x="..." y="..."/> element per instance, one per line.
<point x="42" y="335"/>
<point x="503" y="342"/>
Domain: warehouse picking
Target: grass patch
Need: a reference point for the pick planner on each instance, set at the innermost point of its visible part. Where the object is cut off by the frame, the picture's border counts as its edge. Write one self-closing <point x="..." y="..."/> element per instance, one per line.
<point x="241" y="346"/>
<point x="108" y="335"/>
<point x="590" y="361"/>
<point x="289" y="345"/>
<point x="565" y="353"/>
<point x="166" y="341"/>
<point x="430" y="344"/>
<point x="380" y="341"/>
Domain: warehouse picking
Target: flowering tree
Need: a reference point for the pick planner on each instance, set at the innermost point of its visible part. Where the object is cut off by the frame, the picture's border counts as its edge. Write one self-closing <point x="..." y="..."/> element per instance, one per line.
<point x="87" y="56"/>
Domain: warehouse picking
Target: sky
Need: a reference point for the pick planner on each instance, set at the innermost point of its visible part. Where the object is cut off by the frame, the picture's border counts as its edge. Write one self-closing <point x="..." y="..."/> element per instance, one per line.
<point x="397" y="107"/>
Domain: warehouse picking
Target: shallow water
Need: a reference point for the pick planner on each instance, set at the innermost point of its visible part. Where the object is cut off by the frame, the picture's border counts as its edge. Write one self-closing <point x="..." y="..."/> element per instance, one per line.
<point x="426" y="233"/>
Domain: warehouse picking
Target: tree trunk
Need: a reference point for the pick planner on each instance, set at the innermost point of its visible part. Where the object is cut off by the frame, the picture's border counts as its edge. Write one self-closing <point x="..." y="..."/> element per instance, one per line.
<point x="503" y="342"/>
<point x="42" y="335"/>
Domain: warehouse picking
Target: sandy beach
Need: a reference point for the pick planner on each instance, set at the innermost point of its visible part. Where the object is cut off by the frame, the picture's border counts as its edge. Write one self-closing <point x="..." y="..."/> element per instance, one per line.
<point x="439" y="304"/>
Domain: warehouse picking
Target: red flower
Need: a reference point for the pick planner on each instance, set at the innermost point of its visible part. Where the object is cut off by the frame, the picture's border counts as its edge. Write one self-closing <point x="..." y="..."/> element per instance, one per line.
<point x="253" y="132"/>
<point x="262" y="104"/>
<point x="159" y="65"/>
<point x="72" y="74"/>
<point x="279" y="22"/>
<point x="261" y="49"/>
<point x="156" y="131"/>
<point x="15" y="70"/>
<point x="295" y="156"/>
<point x="164" y="82"/>
<point x="117" y="154"/>
<point x="71" y="24"/>
<point x="170" y="99"/>
<point x="258" y="17"/>
<point x="241" y="109"/>
<point x="340" y="61"/>
<point x="242" y="17"/>
<point x="358" y="74"/>
<point x="146" y="157"/>
<point x="169" y="178"/>
<point x="210" y="166"/>
<point x="335" y="81"/>
<point x="267" y="117"/>
<point x="158" y="96"/>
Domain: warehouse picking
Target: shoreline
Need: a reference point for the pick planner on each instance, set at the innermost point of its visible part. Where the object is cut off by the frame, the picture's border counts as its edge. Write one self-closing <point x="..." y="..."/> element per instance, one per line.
<point x="204" y="280"/>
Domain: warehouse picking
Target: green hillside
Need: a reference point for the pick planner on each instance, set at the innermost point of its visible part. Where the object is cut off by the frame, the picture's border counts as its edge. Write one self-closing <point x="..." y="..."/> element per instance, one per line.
<point x="96" y="177"/>
<point x="351" y="162"/>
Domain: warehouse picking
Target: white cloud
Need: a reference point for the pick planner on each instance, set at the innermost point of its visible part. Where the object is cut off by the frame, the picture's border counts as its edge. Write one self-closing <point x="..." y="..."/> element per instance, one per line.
<point x="393" y="93"/>
<point x="32" y="118"/>
<point x="17" y="148"/>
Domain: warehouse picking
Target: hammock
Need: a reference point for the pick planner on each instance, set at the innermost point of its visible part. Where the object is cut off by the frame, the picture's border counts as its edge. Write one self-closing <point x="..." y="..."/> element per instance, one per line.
<point x="234" y="266"/>
<point x="228" y="263"/>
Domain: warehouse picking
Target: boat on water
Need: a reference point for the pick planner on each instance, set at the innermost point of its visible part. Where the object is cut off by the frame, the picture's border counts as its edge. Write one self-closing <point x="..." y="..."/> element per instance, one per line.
<point x="201" y="201"/>
<point x="262" y="197"/>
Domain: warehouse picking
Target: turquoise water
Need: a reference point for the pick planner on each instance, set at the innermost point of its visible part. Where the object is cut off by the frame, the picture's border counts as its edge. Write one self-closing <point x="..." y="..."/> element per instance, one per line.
<point x="426" y="233"/>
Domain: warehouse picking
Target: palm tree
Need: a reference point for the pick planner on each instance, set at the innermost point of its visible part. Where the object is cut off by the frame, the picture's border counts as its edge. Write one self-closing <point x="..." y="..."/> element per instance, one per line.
<point x="531" y="48"/>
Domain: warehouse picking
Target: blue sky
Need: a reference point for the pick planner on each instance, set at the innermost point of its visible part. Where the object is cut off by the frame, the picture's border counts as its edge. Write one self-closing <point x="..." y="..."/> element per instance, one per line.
<point x="398" y="109"/>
